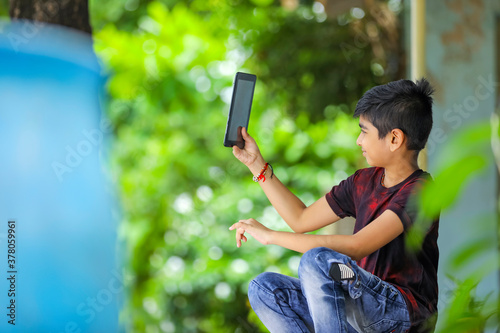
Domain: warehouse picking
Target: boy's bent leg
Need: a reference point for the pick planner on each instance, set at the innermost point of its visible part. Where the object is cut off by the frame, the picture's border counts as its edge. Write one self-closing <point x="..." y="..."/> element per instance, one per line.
<point x="367" y="303"/>
<point x="278" y="301"/>
<point x="326" y="297"/>
<point x="375" y="305"/>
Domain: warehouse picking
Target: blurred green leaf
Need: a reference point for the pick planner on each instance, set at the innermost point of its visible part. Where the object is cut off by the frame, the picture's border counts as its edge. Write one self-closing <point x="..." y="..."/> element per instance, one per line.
<point x="465" y="155"/>
<point x="472" y="251"/>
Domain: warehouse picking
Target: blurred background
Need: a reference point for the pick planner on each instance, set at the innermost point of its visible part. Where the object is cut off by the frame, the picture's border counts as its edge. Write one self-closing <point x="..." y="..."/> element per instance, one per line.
<point x="169" y="67"/>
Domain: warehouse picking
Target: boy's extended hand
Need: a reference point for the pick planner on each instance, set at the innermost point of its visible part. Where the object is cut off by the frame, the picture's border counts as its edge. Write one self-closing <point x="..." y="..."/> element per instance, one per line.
<point x="254" y="228"/>
<point x="251" y="153"/>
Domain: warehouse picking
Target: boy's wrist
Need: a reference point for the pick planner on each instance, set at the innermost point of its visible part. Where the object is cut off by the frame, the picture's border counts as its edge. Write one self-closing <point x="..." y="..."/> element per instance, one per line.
<point x="257" y="165"/>
<point x="271" y="238"/>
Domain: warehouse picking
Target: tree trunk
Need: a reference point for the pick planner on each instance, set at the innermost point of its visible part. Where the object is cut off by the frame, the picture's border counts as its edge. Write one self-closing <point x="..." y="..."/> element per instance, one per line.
<point x="70" y="13"/>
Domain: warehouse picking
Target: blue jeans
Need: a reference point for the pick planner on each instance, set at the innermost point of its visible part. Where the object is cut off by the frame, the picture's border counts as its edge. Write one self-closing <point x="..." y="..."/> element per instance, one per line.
<point x="316" y="303"/>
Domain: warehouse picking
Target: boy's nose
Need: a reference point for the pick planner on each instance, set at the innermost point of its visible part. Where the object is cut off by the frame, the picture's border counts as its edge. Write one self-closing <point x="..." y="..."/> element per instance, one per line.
<point x="358" y="140"/>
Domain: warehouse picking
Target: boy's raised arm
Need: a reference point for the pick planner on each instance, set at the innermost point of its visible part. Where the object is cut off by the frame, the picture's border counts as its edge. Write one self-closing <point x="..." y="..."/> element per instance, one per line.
<point x="295" y="213"/>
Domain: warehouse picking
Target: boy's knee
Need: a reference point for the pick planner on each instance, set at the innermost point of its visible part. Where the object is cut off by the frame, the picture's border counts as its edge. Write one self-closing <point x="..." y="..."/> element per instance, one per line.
<point x="264" y="282"/>
<point x="319" y="259"/>
<point x="319" y="254"/>
<point x="314" y="252"/>
<point x="256" y="287"/>
<point x="267" y="286"/>
<point x="263" y="279"/>
<point x="309" y="261"/>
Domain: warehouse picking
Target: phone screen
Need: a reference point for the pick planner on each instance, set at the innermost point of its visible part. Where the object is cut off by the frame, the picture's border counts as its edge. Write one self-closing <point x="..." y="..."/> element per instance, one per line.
<point x="239" y="113"/>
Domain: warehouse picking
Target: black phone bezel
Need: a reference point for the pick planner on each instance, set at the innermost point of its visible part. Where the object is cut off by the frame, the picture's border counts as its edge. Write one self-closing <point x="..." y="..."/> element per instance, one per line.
<point x="239" y="76"/>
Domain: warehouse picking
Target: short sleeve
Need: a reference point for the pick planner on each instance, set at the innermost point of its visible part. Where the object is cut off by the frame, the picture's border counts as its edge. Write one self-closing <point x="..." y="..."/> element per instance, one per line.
<point x="340" y="198"/>
<point x="404" y="203"/>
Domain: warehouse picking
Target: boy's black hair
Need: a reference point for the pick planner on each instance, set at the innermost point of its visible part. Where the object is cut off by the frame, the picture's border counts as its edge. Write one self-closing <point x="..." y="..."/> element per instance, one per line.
<point x="400" y="104"/>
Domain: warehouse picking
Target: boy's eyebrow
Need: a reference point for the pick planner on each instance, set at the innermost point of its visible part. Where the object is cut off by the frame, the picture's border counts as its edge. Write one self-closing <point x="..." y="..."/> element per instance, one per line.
<point x="363" y="126"/>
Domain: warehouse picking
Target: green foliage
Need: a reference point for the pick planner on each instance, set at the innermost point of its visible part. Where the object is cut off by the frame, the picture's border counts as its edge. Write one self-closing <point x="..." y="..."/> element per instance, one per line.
<point x="309" y="61"/>
<point x="4" y="13"/>
<point x="467" y="314"/>
<point x="171" y="76"/>
<point x="464" y="157"/>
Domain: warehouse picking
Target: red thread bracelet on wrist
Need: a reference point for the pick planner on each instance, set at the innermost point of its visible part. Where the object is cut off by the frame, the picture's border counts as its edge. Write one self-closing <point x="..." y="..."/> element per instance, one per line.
<point x="261" y="174"/>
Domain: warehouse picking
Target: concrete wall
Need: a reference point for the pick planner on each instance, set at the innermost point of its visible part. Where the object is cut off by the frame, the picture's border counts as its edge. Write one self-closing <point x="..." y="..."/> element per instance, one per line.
<point x="462" y="60"/>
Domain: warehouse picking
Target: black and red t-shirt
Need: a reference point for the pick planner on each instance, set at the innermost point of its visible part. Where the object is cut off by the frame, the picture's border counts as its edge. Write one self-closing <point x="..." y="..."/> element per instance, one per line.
<point x="414" y="273"/>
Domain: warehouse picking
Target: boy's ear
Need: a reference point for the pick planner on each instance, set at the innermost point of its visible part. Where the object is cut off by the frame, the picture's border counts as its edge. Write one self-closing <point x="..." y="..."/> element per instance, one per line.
<point x="397" y="138"/>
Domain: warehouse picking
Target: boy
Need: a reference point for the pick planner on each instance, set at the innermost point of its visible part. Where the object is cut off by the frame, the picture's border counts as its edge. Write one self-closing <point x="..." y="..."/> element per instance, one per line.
<point x="368" y="281"/>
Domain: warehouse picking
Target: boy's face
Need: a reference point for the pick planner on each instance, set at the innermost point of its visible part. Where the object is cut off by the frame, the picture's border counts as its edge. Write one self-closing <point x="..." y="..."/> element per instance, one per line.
<point x="375" y="150"/>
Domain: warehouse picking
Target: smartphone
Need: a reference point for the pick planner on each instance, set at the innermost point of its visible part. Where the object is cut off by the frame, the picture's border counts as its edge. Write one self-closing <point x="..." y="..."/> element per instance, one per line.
<point x="239" y="112"/>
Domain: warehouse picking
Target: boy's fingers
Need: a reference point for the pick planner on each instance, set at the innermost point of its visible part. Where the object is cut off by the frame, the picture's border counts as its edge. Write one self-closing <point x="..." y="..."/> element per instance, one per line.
<point x="240" y="232"/>
<point x="245" y="134"/>
<point x="238" y="239"/>
<point x="235" y="226"/>
<point x="239" y="236"/>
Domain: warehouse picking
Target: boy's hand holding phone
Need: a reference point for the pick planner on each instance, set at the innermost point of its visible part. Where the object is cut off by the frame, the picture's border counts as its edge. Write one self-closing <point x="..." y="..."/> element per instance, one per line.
<point x="250" y="155"/>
